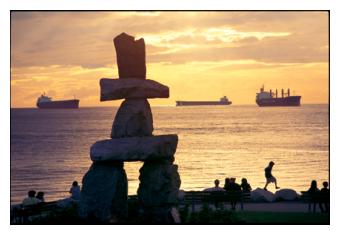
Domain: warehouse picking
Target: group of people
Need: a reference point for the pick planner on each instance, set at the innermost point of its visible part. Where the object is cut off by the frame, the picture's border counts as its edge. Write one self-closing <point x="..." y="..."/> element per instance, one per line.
<point x="316" y="193"/>
<point x="33" y="198"/>
<point x="230" y="185"/>
<point x="36" y="198"/>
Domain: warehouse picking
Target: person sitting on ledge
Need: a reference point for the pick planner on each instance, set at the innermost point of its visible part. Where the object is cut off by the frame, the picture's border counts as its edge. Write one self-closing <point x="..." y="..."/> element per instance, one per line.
<point x="216" y="188"/>
<point x="40" y="196"/>
<point x="75" y="191"/>
<point x="30" y="200"/>
<point x="245" y="185"/>
<point x="269" y="177"/>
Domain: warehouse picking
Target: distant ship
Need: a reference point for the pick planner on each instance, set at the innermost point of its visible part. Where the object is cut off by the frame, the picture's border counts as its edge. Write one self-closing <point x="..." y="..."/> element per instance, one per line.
<point x="223" y="101"/>
<point x="265" y="98"/>
<point x="45" y="102"/>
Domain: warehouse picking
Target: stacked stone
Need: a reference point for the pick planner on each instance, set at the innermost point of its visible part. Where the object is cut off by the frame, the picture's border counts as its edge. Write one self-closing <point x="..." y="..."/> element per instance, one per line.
<point x="104" y="190"/>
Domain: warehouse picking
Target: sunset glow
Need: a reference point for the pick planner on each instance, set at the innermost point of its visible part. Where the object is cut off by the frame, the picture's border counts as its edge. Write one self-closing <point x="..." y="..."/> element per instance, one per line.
<point x="199" y="55"/>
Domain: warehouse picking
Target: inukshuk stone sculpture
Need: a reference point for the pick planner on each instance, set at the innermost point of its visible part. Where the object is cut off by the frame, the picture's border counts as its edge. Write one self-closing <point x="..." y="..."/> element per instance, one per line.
<point x="104" y="190"/>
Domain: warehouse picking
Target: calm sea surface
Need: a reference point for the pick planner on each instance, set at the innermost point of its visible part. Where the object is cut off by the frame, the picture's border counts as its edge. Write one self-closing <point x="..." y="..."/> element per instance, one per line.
<point x="50" y="148"/>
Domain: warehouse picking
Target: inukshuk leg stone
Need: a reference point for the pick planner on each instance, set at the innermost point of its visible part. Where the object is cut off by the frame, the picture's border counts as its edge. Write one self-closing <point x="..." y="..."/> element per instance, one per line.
<point x="158" y="191"/>
<point x="104" y="193"/>
<point x="131" y="140"/>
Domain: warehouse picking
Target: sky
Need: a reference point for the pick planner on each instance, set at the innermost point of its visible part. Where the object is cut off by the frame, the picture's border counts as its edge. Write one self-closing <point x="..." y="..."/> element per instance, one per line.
<point x="199" y="55"/>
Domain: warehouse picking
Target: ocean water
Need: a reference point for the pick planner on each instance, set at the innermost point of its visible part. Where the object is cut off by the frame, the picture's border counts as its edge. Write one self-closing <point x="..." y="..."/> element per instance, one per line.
<point x="50" y="148"/>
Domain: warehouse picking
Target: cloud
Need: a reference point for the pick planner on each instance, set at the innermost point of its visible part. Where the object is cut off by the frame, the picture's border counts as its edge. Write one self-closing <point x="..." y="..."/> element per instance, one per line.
<point x="85" y="38"/>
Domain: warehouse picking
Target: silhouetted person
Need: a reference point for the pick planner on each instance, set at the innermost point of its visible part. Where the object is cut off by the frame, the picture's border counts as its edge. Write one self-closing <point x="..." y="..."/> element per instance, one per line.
<point x="234" y="189"/>
<point x="314" y="193"/>
<point x="216" y="188"/>
<point x="269" y="177"/>
<point x="40" y="196"/>
<point x="75" y="191"/>
<point x="30" y="200"/>
<point x="245" y="186"/>
<point x="226" y="184"/>
<point x="324" y="205"/>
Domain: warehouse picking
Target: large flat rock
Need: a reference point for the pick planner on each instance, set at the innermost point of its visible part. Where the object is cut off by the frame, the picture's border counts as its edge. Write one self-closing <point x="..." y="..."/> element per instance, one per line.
<point x="134" y="118"/>
<point x="135" y="148"/>
<point x="115" y="89"/>
<point x="130" y="56"/>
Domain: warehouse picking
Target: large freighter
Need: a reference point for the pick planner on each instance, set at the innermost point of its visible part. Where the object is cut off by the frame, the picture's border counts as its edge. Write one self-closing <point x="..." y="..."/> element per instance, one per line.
<point x="267" y="99"/>
<point x="45" y="102"/>
<point x="223" y="101"/>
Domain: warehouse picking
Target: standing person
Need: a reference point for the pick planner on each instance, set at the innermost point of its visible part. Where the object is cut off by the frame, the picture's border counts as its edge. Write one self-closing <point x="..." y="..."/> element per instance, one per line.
<point x="234" y="189"/>
<point x="245" y="185"/>
<point x="226" y="184"/>
<point x="325" y="199"/>
<point x="31" y="199"/>
<point x="75" y="191"/>
<point x="269" y="177"/>
<point x="314" y="193"/>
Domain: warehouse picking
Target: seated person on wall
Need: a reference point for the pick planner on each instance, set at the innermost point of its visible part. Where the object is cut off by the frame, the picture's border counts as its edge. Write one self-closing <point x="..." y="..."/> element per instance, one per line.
<point x="233" y="188"/>
<point x="31" y="199"/>
<point x="40" y="196"/>
<point x="245" y="185"/>
<point x="75" y="191"/>
<point x="214" y="189"/>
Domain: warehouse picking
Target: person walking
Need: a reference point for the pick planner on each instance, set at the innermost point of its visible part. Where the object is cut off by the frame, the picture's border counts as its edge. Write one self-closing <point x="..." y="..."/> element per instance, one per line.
<point x="269" y="177"/>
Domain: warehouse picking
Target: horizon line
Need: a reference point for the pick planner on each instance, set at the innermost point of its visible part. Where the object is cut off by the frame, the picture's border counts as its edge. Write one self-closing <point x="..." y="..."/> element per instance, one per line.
<point x="106" y="106"/>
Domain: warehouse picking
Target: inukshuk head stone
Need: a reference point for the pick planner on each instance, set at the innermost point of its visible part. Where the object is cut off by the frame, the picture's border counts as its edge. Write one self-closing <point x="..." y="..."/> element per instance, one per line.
<point x="130" y="56"/>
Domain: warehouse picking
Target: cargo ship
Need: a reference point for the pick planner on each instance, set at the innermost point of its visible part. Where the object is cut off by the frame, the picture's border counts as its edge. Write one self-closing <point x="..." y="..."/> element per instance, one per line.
<point x="45" y="102"/>
<point x="223" y="101"/>
<point x="268" y="99"/>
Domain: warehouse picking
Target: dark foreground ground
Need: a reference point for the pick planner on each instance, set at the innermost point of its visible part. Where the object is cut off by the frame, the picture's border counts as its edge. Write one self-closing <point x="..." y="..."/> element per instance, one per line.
<point x="204" y="215"/>
<point x="252" y="217"/>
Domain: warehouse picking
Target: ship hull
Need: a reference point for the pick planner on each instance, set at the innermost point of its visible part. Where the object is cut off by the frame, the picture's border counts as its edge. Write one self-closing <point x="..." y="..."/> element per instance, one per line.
<point x="198" y="103"/>
<point x="61" y="104"/>
<point x="286" y="101"/>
